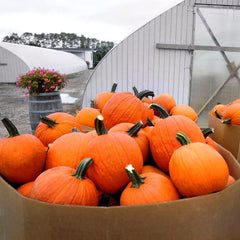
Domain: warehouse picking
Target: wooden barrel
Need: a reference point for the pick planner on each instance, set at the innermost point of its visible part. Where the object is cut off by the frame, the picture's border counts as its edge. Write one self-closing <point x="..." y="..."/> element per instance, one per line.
<point x="43" y="104"/>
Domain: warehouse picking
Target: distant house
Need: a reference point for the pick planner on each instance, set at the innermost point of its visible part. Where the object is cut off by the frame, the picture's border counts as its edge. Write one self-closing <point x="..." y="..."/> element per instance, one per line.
<point x="18" y="59"/>
<point x="85" y="53"/>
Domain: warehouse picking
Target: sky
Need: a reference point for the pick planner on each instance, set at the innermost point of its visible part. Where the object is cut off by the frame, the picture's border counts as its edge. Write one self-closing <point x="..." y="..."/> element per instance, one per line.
<point x="106" y="20"/>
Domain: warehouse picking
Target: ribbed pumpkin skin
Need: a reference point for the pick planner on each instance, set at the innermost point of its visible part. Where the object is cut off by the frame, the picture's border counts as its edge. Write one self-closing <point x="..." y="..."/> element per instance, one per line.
<point x="101" y="99"/>
<point x="233" y="112"/>
<point x="124" y="107"/>
<point x="111" y="153"/>
<point x="141" y="137"/>
<point x="163" y="140"/>
<point x="22" y="158"/>
<point x="185" y="110"/>
<point x="57" y="185"/>
<point x="86" y="116"/>
<point x="197" y="169"/>
<point x="26" y="188"/>
<point x="66" y="123"/>
<point x="166" y="100"/>
<point x="68" y="150"/>
<point x="156" y="188"/>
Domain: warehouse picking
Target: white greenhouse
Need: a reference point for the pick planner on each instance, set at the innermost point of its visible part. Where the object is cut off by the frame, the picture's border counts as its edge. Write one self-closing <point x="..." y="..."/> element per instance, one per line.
<point x="18" y="59"/>
<point x="190" y="51"/>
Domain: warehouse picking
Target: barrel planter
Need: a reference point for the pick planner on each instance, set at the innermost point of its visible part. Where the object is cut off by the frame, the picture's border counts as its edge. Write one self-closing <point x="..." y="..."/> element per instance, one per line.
<point x="43" y="104"/>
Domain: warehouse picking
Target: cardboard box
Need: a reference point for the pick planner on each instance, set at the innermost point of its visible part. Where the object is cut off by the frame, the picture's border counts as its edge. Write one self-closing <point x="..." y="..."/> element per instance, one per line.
<point x="227" y="135"/>
<point x="213" y="216"/>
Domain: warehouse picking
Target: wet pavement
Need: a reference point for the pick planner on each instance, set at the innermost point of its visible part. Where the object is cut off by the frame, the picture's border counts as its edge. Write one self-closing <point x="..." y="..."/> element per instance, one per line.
<point x="14" y="104"/>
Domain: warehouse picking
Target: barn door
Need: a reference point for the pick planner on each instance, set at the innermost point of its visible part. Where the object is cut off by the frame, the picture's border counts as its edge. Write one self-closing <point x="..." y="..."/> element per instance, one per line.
<point x="215" y="73"/>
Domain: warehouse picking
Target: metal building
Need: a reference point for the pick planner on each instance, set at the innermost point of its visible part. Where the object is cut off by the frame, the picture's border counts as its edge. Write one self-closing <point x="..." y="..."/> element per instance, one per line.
<point x="18" y="59"/>
<point x="190" y="51"/>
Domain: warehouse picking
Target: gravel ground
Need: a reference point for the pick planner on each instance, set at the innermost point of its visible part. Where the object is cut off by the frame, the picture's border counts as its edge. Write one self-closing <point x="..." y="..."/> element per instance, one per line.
<point x="14" y="105"/>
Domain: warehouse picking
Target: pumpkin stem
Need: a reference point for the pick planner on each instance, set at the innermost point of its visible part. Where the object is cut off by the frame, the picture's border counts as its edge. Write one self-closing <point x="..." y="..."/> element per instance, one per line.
<point x="144" y="93"/>
<point x="134" y="176"/>
<point x="11" y="128"/>
<point x="218" y="115"/>
<point x="207" y="131"/>
<point x="82" y="168"/>
<point x="227" y="121"/>
<point x="99" y="126"/>
<point x="133" y="131"/>
<point x="149" y="122"/>
<point x="135" y="90"/>
<point x="50" y="122"/>
<point x="92" y="103"/>
<point x="114" y="87"/>
<point x="75" y="130"/>
<point x="183" y="138"/>
<point x="163" y="112"/>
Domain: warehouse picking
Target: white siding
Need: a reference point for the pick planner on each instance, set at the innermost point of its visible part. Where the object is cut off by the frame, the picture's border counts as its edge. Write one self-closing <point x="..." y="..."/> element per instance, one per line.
<point x="137" y="62"/>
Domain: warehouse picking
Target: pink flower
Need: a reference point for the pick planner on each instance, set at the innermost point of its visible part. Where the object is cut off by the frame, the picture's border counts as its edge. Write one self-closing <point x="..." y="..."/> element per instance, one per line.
<point x="52" y="87"/>
<point x="29" y="87"/>
<point x="59" y="80"/>
<point x="29" y="81"/>
<point x="46" y="80"/>
<point x="43" y="86"/>
<point x="44" y="75"/>
<point x="26" y="95"/>
<point x="55" y="75"/>
<point x="41" y="73"/>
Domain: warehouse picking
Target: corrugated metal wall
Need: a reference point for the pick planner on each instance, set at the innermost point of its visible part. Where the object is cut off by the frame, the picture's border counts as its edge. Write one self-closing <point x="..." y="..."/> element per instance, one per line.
<point x="10" y="66"/>
<point x="137" y="62"/>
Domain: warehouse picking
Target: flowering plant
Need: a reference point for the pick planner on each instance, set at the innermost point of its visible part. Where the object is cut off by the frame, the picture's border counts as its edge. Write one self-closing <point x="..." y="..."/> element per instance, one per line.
<point x="41" y="80"/>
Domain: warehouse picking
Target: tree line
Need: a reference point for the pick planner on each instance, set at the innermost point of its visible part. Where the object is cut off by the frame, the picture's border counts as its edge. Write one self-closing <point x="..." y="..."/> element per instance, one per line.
<point x="62" y="40"/>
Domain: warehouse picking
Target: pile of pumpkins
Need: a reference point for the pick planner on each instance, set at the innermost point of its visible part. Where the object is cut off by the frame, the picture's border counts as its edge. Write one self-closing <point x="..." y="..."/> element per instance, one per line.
<point x="228" y="113"/>
<point x="141" y="149"/>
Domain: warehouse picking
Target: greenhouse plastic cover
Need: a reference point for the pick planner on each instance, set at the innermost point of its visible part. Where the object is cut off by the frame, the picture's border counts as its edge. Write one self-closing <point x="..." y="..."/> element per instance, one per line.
<point x="34" y="57"/>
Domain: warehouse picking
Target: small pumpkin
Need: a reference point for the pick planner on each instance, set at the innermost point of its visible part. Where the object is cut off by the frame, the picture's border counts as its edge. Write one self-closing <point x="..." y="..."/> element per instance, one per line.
<point x="197" y="169"/>
<point x="150" y="168"/>
<point x="22" y="156"/>
<point x="26" y="188"/>
<point x="166" y="100"/>
<point x="65" y="185"/>
<point x="124" y="107"/>
<point x="101" y="98"/>
<point x="232" y="114"/>
<point x="185" y="110"/>
<point x="54" y="126"/>
<point x="111" y="153"/>
<point x="86" y="116"/>
<point x="147" y="188"/>
<point x="218" y="110"/>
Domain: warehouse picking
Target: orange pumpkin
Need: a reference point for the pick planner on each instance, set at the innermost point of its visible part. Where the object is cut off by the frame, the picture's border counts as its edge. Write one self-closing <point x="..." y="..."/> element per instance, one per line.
<point x="232" y="114"/>
<point x="163" y="140"/>
<point x="231" y="180"/>
<point x="65" y="185"/>
<point x="150" y="168"/>
<point x="22" y="156"/>
<point x="68" y="150"/>
<point x="86" y="116"/>
<point x="197" y="169"/>
<point x="218" y="110"/>
<point x="166" y="100"/>
<point x="185" y="110"/>
<point x="101" y="98"/>
<point x="54" y="126"/>
<point x="124" y="107"/>
<point x="26" y="188"/>
<point x="137" y="133"/>
<point x="111" y="153"/>
<point x="147" y="188"/>
<point x="236" y="101"/>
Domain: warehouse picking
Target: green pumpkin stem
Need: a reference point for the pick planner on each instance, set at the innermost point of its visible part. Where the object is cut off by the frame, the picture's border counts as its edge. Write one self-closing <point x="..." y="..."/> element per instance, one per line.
<point x="135" y="90"/>
<point x="149" y="122"/>
<point x="50" y="122"/>
<point x="11" y="128"/>
<point x="144" y="93"/>
<point x="133" y="131"/>
<point x="134" y="176"/>
<point x="163" y="112"/>
<point x="114" y="87"/>
<point x="218" y="115"/>
<point x="82" y="168"/>
<point x="75" y="130"/>
<point x="226" y="121"/>
<point x="183" y="138"/>
<point x="99" y="126"/>
<point x="207" y="131"/>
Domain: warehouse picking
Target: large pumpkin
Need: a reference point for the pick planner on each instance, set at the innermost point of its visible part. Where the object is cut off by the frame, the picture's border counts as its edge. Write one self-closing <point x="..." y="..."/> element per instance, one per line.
<point x="124" y="107"/>
<point x="197" y="169"/>
<point x="22" y="156"/>
<point x="54" y="126"/>
<point x="162" y="137"/>
<point x="65" y="185"/>
<point x="147" y="188"/>
<point x="111" y="153"/>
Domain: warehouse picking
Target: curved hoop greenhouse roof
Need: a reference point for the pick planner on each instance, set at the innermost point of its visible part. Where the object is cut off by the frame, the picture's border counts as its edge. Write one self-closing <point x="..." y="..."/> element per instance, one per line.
<point x="17" y="59"/>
